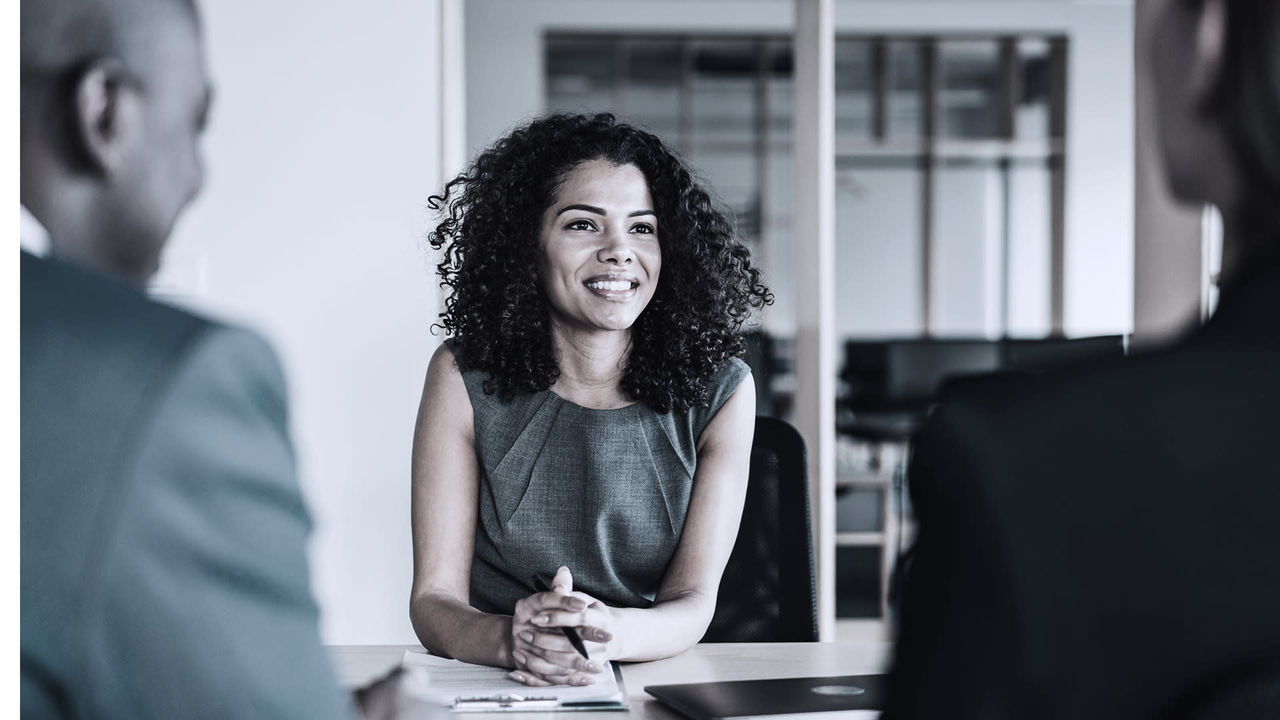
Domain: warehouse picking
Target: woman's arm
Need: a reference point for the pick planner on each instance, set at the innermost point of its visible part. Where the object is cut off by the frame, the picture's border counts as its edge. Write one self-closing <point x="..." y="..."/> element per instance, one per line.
<point x="446" y="477"/>
<point x="686" y="599"/>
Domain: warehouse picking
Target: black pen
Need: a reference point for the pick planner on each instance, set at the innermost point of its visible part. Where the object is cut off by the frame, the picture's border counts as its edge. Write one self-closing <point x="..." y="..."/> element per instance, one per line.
<point x="574" y="639"/>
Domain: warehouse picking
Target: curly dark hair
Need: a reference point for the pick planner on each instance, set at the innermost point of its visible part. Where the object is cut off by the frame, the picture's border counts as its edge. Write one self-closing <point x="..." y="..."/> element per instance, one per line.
<point x="497" y="309"/>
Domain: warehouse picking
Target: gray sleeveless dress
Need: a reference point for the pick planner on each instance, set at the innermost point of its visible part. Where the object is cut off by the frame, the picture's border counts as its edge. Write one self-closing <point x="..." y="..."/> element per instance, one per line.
<point x="603" y="492"/>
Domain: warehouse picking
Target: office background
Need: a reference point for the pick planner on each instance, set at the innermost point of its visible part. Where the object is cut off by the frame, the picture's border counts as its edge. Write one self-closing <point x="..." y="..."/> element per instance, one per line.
<point x="333" y="124"/>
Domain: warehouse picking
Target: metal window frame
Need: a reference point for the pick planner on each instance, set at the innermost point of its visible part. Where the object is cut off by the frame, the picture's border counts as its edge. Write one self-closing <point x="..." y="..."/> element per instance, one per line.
<point x="929" y="150"/>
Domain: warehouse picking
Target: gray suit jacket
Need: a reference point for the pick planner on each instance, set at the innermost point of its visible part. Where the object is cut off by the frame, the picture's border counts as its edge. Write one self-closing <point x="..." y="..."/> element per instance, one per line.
<point x="163" y="533"/>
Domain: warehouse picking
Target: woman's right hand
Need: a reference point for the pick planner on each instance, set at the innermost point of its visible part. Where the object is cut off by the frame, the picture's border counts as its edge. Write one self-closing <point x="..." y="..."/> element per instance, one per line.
<point x="541" y="652"/>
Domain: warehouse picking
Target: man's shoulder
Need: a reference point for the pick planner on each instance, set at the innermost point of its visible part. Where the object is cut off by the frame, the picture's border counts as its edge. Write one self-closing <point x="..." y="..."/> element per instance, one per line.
<point x="84" y="327"/>
<point x="98" y="357"/>
<point x="56" y="293"/>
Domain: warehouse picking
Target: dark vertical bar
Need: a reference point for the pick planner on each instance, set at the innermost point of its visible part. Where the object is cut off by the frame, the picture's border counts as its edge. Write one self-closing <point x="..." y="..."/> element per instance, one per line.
<point x="1005" y="168"/>
<point x="879" y="89"/>
<point x="762" y="131"/>
<point x="1057" y="183"/>
<point x="621" y="56"/>
<point x="1010" y="92"/>
<point x="686" y="95"/>
<point x="1010" y="88"/>
<point x="929" y="90"/>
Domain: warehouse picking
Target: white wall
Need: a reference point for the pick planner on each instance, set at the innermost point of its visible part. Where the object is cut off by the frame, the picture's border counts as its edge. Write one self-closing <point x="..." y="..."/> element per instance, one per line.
<point x="323" y="149"/>
<point x="505" y="86"/>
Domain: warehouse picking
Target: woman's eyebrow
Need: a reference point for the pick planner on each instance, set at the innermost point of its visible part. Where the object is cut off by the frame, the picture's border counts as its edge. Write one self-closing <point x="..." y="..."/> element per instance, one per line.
<point x="598" y="211"/>
<point x="584" y="208"/>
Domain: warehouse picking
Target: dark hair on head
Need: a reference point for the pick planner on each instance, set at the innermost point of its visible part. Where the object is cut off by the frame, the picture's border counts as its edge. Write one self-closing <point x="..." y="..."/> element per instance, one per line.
<point x="1249" y="103"/>
<point x="498" y="311"/>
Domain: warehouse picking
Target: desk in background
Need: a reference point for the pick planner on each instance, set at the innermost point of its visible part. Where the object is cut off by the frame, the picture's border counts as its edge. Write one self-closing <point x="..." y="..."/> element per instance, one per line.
<point x="706" y="662"/>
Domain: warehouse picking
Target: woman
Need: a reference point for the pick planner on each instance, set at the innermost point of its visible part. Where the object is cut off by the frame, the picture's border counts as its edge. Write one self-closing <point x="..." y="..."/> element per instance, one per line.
<point x="589" y="412"/>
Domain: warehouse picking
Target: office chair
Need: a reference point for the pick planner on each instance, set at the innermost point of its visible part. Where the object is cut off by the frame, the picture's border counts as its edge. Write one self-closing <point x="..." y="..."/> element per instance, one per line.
<point x="891" y="385"/>
<point x="767" y="592"/>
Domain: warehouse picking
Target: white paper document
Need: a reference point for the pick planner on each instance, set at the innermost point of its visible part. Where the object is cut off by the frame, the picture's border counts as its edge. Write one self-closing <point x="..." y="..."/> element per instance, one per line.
<point x="480" y="688"/>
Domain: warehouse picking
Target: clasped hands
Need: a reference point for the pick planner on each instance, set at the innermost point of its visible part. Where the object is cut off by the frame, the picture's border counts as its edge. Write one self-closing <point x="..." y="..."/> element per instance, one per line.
<point x="541" y="652"/>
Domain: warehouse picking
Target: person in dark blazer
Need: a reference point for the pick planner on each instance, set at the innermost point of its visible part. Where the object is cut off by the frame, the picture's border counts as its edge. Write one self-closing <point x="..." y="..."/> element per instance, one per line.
<point x="1100" y="543"/>
<point x="162" y="529"/>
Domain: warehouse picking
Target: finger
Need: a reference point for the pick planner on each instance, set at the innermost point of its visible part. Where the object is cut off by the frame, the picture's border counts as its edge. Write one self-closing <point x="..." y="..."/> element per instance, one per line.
<point x="550" y="601"/>
<point x="546" y="641"/>
<point x="560" y="652"/>
<point x="542" y="643"/>
<point x="572" y="678"/>
<point x="523" y="642"/>
<point x="527" y="678"/>
<point x="544" y="662"/>
<point x="565" y="617"/>
<point x="563" y="581"/>
<point x="527" y="608"/>
<point x="545" y="605"/>
<point x="534" y="680"/>
<point x="531" y="663"/>
<point x="552" y="672"/>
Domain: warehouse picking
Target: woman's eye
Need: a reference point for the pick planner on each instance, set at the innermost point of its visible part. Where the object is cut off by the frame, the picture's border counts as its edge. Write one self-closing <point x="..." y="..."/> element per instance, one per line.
<point x="643" y="229"/>
<point x="580" y="225"/>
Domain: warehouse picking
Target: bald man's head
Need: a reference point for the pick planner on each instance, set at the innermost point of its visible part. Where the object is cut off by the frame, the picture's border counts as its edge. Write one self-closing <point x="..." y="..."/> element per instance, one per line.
<point x="114" y="99"/>
<point x="61" y="33"/>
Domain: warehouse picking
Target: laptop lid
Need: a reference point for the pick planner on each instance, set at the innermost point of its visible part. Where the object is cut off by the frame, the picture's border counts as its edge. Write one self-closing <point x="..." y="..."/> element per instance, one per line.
<point x="742" y="699"/>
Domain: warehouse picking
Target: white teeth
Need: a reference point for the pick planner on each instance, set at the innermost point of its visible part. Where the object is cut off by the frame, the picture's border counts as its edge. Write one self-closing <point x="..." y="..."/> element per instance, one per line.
<point x="610" y="285"/>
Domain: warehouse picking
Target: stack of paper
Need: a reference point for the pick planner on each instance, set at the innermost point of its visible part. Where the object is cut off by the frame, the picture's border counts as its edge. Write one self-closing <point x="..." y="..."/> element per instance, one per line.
<point x="467" y="687"/>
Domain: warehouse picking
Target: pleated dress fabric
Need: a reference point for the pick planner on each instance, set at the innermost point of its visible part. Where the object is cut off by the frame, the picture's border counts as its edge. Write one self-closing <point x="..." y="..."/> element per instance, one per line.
<point x="603" y="492"/>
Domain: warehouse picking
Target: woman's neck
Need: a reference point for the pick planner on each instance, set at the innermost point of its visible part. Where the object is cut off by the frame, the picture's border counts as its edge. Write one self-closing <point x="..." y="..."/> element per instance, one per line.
<point x="591" y="366"/>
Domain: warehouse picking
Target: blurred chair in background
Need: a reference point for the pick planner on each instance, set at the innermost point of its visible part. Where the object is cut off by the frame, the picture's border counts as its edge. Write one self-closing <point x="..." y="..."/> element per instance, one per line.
<point x="766" y="593"/>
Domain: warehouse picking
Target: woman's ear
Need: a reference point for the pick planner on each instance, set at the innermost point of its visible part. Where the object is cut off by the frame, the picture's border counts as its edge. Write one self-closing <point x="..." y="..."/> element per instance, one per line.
<point x="1206" y="80"/>
<point x="106" y="113"/>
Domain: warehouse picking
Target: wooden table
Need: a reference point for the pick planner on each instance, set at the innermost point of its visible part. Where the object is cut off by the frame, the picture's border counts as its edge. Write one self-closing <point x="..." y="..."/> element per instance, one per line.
<point x="357" y="664"/>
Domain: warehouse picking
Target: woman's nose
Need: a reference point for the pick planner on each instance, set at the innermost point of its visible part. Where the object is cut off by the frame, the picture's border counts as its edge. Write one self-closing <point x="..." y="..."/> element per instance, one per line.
<point x="616" y="248"/>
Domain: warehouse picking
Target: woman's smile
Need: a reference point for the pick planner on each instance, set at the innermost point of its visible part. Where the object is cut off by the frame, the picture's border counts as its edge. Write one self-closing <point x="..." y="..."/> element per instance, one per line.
<point x="614" y="287"/>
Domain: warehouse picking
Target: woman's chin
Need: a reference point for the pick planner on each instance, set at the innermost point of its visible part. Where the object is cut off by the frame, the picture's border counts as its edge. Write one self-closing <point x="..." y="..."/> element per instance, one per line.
<point x="605" y="322"/>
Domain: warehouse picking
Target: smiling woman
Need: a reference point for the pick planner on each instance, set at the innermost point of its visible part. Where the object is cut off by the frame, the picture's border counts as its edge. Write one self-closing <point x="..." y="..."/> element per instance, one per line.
<point x="601" y="254"/>
<point x="589" y="412"/>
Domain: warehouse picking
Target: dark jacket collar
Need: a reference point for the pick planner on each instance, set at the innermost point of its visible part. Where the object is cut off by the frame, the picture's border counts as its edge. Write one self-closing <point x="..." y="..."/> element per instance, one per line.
<point x="1249" y="308"/>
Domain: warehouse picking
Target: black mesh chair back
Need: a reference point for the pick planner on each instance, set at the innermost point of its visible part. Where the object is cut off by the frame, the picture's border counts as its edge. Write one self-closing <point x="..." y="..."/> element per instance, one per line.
<point x="905" y="375"/>
<point x="767" y="592"/>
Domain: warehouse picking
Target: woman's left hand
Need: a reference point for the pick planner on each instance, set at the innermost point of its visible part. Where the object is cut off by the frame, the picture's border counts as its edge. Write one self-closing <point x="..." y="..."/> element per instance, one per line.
<point x="542" y="652"/>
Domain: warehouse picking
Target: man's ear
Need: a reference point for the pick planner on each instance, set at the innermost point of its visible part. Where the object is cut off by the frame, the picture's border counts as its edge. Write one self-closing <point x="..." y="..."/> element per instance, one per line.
<point x="105" y="113"/>
<point x="1207" y="78"/>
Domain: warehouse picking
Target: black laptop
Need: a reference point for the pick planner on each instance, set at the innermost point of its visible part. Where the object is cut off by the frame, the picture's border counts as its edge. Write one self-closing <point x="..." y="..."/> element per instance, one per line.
<point x="780" y="696"/>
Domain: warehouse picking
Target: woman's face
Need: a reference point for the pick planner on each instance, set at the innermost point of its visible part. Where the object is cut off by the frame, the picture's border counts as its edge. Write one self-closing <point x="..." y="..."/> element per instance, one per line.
<point x="600" y="252"/>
